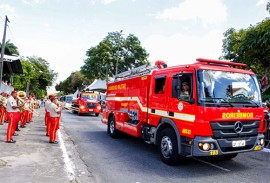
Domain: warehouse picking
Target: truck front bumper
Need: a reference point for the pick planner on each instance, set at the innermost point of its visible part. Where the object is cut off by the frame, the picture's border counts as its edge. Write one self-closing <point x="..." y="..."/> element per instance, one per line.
<point x="225" y="146"/>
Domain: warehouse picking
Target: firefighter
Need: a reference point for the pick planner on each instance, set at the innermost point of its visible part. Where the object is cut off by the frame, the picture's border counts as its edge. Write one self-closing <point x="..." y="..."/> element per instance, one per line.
<point x="24" y="113"/>
<point x="2" y="108"/>
<point x="55" y="112"/>
<point x="185" y="88"/>
<point x="162" y="90"/>
<point x="13" y="116"/>
<point x="47" y="115"/>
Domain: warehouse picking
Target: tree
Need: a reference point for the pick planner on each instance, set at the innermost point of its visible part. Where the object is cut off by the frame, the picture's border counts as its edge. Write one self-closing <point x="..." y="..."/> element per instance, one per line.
<point x="114" y="52"/>
<point x="268" y="7"/>
<point x="75" y="81"/>
<point x="38" y="73"/>
<point x="250" y="46"/>
<point x="10" y="48"/>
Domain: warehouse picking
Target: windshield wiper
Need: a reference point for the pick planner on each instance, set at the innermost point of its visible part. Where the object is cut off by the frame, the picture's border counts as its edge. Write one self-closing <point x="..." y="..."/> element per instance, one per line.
<point x="220" y="102"/>
<point x="254" y="103"/>
<point x="228" y="103"/>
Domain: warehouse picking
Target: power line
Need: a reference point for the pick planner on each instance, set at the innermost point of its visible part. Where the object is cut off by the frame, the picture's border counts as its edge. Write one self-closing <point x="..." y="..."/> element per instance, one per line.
<point x="2" y="19"/>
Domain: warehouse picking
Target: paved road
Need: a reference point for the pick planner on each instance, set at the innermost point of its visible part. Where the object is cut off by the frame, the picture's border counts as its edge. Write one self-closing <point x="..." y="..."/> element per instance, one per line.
<point x="131" y="160"/>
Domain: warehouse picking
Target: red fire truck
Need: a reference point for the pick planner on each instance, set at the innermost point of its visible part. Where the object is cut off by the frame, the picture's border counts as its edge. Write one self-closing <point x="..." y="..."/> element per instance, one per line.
<point x="86" y="103"/>
<point x="209" y="108"/>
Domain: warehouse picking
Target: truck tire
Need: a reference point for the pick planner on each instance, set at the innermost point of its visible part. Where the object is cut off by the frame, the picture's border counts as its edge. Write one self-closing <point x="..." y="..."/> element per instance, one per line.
<point x="96" y="114"/>
<point x="168" y="146"/>
<point x="111" y="127"/>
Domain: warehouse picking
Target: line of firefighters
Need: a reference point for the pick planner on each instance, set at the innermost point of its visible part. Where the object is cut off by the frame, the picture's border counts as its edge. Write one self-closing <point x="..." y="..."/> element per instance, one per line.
<point x="17" y="110"/>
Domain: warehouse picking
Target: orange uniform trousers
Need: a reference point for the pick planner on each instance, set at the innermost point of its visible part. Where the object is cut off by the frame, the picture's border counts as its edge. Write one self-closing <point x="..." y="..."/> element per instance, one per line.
<point x="29" y="116"/>
<point x="54" y="127"/>
<point x="47" y="122"/>
<point x="24" y="115"/>
<point x="2" y="114"/>
<point x="13" y="119"/>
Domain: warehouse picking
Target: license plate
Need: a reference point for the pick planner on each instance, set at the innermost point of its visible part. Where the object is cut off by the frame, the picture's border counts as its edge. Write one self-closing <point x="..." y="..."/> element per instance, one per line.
<point x="90" y="109"/>
<point x="238" y="143"/>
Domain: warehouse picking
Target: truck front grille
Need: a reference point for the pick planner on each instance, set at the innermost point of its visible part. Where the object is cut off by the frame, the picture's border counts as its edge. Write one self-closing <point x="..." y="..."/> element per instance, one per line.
<point x="226" y="129"/>
<point x="91" y="105"/>
<point x="224" y="133"/>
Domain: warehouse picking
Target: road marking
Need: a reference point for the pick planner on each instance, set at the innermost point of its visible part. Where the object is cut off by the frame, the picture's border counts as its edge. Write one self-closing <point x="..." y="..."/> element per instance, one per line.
<point x="67" y="161"/>
<point x="211" y="164"/>
<point x="266" y="150"/>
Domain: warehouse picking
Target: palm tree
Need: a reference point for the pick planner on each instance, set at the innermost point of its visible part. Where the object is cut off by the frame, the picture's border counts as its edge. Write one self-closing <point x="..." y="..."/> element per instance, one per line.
<point x="10" y="48"/>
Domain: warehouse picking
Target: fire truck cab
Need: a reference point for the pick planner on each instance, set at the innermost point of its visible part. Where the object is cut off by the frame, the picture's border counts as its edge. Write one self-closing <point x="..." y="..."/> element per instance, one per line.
<point x="209" y="108"/>
<point x="86" y="103"/>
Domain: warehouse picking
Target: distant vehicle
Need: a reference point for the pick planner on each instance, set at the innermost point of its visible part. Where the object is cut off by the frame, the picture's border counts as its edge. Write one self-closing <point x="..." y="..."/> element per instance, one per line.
<point x="102" y="100"/>
<point x="86" y="103"/>
<point x="67" y="101"/>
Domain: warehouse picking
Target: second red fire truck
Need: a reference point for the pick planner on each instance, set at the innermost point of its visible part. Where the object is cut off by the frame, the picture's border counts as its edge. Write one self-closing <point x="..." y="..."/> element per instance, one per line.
<point x="209" y="108"/>
<point x="86" y="103"/>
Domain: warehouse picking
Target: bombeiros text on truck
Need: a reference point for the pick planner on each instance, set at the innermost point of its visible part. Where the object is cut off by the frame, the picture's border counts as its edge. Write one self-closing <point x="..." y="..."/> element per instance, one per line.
<point x="209" y="108"/>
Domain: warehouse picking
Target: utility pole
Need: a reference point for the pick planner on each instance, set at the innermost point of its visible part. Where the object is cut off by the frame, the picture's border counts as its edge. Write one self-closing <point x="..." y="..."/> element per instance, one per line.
<point x="118" y="52"/>
<point x="27" y="87"/>
<point x="3" y="50"/>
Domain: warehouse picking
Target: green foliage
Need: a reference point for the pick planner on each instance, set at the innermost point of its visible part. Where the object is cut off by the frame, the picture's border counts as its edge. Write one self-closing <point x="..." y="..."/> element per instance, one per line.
<point x="36" y="71"/>
<point x="10" y="48"/>
<point x="250" y="46"/>
<point x="268" y="7"/>
<point x="75" y="81"/>
<point x="112" y="50"/>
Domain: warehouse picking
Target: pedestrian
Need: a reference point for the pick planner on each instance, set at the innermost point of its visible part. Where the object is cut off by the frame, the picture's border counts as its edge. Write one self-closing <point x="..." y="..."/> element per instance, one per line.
<point x="2" y="107"/>
<point x="55" y="112"/>
<point x="264" y="80"/>
<point x="24" y="113"/>
<point x="13" y="114"/>
<point x="47" y="115"/>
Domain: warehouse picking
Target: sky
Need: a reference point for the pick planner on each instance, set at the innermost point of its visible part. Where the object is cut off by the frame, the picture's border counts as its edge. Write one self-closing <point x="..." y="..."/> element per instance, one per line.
<point x="176" y="31"/>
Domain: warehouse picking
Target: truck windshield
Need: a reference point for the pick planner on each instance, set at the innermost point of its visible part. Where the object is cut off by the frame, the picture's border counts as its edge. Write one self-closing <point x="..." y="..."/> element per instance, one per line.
<point x="89" y="96"/>
<point x="220" y="88"/>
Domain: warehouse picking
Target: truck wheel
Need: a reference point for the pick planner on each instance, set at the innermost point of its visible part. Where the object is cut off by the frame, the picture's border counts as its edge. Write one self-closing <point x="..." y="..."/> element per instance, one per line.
<point x="111" y="128"/>
<point x="97" y="114"/>
<point x="168" y="147"/>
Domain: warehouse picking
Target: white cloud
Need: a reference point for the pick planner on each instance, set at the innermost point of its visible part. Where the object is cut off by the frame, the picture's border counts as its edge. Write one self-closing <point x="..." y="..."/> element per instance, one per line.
<point x="206" y="11"/>
<point x="6" y="9"/>
<point x="108" y="1"/>
<point x="47" y="25"/>
<point x="261" y="2"/>
<point x="105" y="2"/>
<point x="183" y="49"/>
<point x="32" y="2"/>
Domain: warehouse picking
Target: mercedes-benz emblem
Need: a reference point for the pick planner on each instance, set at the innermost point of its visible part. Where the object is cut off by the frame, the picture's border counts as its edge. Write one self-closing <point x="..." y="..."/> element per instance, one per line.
<point x="238" y="127"/>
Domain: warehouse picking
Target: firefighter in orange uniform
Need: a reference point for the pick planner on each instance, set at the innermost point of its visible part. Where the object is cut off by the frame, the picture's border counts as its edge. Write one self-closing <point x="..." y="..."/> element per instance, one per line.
<point x="13" y="116"/>
<point x="24" y="113"/>
<point x="2" y="107"/>
<point x="47" y="115"/>
<point x="31" y="109"/>
<point x="55" y="112"/>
